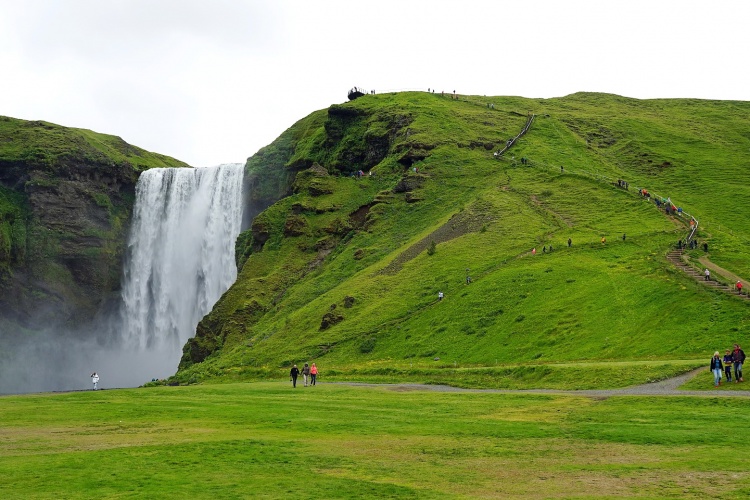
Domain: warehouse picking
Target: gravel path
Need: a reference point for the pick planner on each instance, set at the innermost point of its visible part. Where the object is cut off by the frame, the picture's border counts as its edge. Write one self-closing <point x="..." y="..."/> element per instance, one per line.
<point x="667" y="387"/>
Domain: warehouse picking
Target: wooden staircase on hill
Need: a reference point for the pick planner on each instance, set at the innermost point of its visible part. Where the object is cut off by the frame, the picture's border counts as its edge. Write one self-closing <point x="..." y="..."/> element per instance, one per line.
<point x="675" y="257"/>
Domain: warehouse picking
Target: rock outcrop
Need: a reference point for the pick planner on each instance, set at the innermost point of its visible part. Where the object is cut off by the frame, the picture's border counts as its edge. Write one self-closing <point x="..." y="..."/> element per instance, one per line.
<point x="66" y="196"/>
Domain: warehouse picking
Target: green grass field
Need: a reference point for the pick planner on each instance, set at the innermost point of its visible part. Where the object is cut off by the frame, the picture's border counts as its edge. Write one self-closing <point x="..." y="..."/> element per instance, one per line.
<point x="267" y="440"/>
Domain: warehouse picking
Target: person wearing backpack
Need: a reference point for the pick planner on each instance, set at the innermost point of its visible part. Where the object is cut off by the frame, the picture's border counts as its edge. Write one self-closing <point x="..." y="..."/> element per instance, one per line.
<point x="305" y="373"/>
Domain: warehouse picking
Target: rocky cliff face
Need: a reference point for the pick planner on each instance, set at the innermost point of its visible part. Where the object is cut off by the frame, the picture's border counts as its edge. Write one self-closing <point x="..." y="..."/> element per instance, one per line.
<point x="66" y="196"/>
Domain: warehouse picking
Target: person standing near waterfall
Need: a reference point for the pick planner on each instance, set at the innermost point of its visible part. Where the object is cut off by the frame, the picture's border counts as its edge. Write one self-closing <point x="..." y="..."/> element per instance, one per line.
<point x="95" y="380"/>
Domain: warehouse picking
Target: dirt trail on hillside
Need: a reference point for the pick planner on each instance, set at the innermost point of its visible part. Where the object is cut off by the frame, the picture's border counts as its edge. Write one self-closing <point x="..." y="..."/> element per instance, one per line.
<point x="667" y="387"/>
<point x="720" y="270"/>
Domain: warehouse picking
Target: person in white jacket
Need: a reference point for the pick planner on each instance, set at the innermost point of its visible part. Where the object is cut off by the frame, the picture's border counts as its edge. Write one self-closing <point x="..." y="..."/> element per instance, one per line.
<point x="95" y="379"/>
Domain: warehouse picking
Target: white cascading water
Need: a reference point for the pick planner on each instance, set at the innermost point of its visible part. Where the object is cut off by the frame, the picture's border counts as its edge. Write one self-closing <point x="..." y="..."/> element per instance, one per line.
<point x="180" y="252"/>
<point x="180" y="260"/>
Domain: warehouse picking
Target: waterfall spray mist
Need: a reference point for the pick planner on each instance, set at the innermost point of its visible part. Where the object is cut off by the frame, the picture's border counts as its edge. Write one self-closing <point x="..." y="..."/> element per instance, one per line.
<point x="179" y="261"/>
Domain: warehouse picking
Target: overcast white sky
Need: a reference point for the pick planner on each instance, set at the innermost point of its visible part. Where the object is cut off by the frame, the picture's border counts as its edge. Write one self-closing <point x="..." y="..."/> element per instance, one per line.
<point x="211" y="82"/>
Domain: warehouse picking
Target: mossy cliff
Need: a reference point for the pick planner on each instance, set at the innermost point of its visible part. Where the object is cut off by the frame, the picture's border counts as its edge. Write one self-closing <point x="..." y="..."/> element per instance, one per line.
<point x="346" y="270"/>
<point x="66" y="196"/>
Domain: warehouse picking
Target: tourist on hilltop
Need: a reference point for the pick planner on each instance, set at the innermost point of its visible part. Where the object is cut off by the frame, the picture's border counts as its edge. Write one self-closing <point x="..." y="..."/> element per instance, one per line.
<point x="728" y="361"/>
<point x="738" y="358"/>
<point x="738" y="286"/>
<point x="95" y="380"/>
<point x="716" y="368"/>
<point x="313" y="374"/>
<point x="305" y="373"/>
<point x="293" y="374"/>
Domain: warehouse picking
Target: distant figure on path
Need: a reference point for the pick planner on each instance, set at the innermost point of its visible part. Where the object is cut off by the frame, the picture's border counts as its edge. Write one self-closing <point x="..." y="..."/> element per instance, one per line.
<point x="313" y="374"/>
<point x="705" y="247"/>
<point x="707" y="275"/>
<point x="570" y="242"/>
<point x="623" y="236"/>
<point x="293" y="374"/>
<point x="604" y="240"/>
<point x="738" y="286"/>
<point x="562" y="170"/>
<point x="533" y="251"/>
<point x="728" y="361"/>
<point x="440" y="295"/>
<point x="738" y="357"/>
<point x="95" y="380"/>
<point x="716" y="368"/>
<point x="305" y="373"/>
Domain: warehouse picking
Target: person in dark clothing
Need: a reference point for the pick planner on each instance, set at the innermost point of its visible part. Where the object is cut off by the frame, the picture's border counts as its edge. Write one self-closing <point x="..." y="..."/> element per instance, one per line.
<point x="728" y="360"/>
<point x="305" y="373"/>
<point x="293" y="374"/>
<point x="705" y="247"/>
<point x="738" y="358"/>
<point x="570" y="242"/>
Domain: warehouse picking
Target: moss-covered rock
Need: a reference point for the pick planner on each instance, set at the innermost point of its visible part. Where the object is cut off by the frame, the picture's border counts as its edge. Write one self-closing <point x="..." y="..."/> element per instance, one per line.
<point x="66" y="196"/>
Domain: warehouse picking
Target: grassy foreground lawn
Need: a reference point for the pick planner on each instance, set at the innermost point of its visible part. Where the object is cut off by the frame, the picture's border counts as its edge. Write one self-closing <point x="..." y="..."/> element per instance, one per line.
<point x="266" y="440"/>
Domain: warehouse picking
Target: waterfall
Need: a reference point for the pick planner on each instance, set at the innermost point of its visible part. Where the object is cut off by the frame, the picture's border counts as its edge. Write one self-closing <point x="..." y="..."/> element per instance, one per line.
<point x="180" y="255"/>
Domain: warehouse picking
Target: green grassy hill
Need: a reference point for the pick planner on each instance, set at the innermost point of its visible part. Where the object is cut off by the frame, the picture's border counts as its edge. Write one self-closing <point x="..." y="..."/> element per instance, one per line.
<point x="343" y="272"/>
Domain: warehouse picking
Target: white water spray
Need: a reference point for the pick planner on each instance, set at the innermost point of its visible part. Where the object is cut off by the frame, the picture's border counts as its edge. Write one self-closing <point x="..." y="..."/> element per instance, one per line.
<point x="180" y="260"/>
<point x="180" y="252"/>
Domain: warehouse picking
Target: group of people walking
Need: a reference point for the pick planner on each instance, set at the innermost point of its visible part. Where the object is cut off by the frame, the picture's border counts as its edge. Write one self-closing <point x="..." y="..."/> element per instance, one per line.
<point x="733" y="359"/>
<point x="308" y="371"/>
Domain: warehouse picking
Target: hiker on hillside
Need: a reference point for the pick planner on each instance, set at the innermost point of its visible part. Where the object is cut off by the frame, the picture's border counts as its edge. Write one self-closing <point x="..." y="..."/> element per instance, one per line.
<point x="728" y="361"/>
<point x="440" y="295"/>
<point x="707" y="275"/>
<point x="738" y="286"/>
<point x="623" y="236"/>
<point x="313" y="374"/>
<point x="570" y="242"/>
<point x="705" y="247"/>
<point x="95" y="380"/>
<point x="716" y="367"/>
<point x="738" y="357"/>
<point x="604" y="240"/>
<point x="293" y="374"/>
<point x="533" y="251"/>
<point x="305" y="373"/>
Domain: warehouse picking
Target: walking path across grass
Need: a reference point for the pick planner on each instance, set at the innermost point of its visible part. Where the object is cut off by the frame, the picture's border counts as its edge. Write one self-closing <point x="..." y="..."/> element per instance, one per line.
<point x="668" y="387"/>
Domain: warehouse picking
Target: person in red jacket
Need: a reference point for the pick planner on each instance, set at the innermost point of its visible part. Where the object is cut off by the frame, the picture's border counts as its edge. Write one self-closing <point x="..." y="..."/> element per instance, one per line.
<point x="739" y="287"/>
